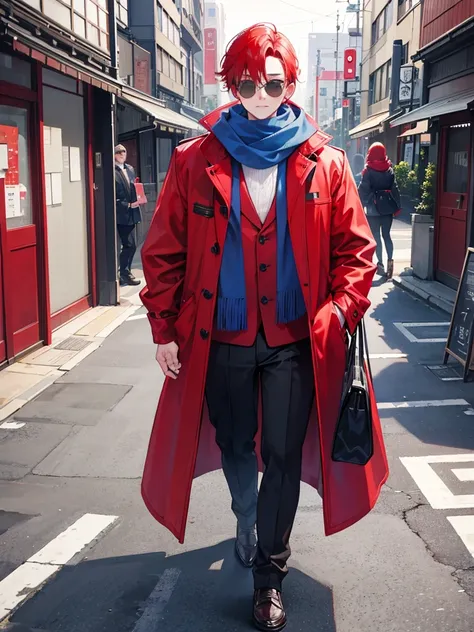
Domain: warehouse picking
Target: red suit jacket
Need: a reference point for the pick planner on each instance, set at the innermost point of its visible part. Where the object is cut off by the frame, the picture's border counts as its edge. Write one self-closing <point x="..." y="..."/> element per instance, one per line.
<point x="333" y="249"/>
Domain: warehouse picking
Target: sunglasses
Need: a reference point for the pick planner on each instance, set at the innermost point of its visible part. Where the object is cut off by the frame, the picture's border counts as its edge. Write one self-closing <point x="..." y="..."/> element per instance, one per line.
<point x="273" y="88"/>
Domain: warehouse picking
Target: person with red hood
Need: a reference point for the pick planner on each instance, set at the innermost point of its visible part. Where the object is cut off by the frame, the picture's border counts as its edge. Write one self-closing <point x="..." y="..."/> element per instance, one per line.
<point x="380" y="196"/>
<point x="258" y="264"/>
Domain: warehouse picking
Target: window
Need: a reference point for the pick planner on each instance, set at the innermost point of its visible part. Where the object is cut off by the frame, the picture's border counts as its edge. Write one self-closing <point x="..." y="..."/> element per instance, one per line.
<point x="211" y="12"/>
<point x="456" y="177"/>
<point x="15" y="70"/>
<point x="166" y="64"/>
<point x="379" y="83"/>
<point x="159" y="59"/>
<point x="122" y="11"/>
<point x="405" y="56"/>
<point x="404" y="6"/>
<point x="160" y="17"/>
<point x="165" y="24"/>
<point x="383" y="22"/>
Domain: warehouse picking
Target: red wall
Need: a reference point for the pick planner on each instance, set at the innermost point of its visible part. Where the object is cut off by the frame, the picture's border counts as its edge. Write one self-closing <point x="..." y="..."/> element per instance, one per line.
<point x="440" y="16"/>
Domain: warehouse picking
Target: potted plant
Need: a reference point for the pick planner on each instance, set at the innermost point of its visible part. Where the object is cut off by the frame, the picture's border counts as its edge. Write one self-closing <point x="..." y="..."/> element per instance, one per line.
<point x="422" y="227"/>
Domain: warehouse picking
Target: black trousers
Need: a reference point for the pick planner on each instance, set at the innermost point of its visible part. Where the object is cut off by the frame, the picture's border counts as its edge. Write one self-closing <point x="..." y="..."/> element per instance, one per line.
<point x="128" y="247"/>
<point x="285" y="375"/>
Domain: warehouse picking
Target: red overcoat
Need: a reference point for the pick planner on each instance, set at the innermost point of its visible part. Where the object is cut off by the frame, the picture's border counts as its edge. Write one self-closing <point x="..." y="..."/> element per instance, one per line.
<point x="181" y="257"/>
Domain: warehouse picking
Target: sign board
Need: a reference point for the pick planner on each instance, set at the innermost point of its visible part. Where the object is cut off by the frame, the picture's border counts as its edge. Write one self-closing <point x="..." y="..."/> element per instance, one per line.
<point x="461" y="331"/>
<point x="405" y="89"/>
<point x="210" y="56"/>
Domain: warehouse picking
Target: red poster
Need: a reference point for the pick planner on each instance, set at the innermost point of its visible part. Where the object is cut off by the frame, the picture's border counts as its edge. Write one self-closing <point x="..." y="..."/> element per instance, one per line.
<point x="142" y="75"/>
<point x="9" y="137"/>
<point x="210" y="56"/>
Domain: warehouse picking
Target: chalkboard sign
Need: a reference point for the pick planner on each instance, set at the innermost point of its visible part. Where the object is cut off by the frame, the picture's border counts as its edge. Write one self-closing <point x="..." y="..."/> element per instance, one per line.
<point x="461" y="331"/>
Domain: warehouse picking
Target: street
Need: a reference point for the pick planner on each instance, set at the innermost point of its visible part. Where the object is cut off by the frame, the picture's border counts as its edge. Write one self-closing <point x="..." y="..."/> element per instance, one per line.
<point x="77" y="462"/>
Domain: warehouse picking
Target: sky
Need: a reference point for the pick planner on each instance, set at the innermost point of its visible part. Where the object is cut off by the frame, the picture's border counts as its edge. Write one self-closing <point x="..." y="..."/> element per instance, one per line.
<point x="295" y="18"/>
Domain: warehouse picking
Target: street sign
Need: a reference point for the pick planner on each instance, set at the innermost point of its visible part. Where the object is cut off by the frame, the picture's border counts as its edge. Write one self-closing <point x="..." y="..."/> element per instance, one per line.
<point x="350" y="64"/>
<point x="345" y="103"/>
<point x="405" y="89"/>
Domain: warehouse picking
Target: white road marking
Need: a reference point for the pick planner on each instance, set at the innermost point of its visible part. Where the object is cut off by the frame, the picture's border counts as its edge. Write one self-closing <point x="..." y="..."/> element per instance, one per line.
<point x="464" y="527"/>
<point x="137" y="317"/>
<point x="28" y="577"/>
<point x="432" y="487"/>
<point x="464" y="474"/>
<point x="387" y="356"/>
<point x="157" y="601"/>
<point x="12" y="425"/>
<point x="422" y="404"/>
<point x="404" y="327"/>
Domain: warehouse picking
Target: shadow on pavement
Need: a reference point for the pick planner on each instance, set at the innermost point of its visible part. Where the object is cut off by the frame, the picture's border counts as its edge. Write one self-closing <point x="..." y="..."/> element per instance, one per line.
<point x="213" y="594"/>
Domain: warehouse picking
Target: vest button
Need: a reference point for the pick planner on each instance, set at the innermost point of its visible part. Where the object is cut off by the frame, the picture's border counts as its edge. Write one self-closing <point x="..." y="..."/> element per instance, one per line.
<point x="204" y="334"/>
<point x="215" y="249"/>
<point x="262" y="239"/>
<point x="264" y="300"/>
<point x="263" y="267"/>
<point x="207" y="294"/>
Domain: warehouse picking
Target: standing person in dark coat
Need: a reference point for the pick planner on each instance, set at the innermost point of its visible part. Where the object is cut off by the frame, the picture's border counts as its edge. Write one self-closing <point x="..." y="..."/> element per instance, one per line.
<point x="128" y="214"/>
<point x="379" y="177"/>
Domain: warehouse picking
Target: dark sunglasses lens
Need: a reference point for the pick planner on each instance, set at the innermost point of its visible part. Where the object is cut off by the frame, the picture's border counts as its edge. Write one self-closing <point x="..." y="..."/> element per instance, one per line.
<point x="247" y="89"/>
<point x="274" y="88"/>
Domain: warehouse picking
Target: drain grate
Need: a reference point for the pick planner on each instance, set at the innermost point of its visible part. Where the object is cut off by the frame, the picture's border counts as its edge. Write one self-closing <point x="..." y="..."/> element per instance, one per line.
<point x="73" y="343"/>
<point x="446" y="373"/>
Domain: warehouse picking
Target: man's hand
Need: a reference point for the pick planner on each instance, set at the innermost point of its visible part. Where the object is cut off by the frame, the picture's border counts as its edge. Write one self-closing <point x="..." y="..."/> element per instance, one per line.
<point x="167" y="358"/>
<point x="134" y="205"/>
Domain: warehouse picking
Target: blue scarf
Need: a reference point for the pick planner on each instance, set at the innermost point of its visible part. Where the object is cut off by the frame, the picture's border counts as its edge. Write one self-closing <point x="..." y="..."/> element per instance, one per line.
<point x="260" y="145"/>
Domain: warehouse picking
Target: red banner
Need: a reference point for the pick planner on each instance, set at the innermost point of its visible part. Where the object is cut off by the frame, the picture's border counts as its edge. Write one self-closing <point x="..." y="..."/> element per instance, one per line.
<point x="210" y="56"/>
<point x="9" y="137"/>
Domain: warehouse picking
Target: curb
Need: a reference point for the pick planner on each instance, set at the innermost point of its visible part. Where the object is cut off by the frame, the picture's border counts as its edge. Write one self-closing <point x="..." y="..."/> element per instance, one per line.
<point x="430" y="299"/>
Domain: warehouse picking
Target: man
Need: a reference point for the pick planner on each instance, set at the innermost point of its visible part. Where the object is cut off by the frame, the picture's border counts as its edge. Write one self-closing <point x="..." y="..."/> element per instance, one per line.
<point x="258" y="262"/>
<point x="128" y="214"/>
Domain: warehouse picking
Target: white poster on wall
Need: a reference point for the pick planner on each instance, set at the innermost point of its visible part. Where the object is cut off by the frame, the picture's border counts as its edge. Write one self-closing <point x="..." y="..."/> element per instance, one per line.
<point x="66" y="159"/>
<point x="74" y="164"/>
<point x="49" y="192"/>
<point x="57" y="188"/>
<point x="12" y="200"/>
<point x="409" y="154"/>
<point x="53" y="151"/>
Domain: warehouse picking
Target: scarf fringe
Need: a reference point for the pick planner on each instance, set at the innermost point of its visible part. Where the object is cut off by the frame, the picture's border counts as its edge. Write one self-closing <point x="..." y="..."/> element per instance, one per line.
<point x="290" y="306"/>
<point x="231" y="314"/>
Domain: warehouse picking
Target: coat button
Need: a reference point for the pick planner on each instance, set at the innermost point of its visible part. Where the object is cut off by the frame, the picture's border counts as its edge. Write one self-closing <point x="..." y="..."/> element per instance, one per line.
<point x="207" y="294"/>
<point x="355" y="314"/>
<point x="215" y="249"/>
<point x="264" y="300"/>
<point x="263" y="267"/>
<point x="204" y="334"/>
<point x="262" y="239"/>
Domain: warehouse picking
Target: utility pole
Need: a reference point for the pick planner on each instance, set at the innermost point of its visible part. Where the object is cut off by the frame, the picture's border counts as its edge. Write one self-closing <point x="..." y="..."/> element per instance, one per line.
<point x="316" y="94"/>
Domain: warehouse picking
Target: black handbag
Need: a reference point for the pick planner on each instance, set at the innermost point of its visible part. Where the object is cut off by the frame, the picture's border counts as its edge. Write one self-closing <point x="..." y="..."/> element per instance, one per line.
<point x="353" y="441"/>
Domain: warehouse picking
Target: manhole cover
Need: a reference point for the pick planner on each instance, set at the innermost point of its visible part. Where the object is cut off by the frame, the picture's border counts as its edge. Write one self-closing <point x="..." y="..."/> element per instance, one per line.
<point x="446" y="373"/>
<point x="73" y="343"/>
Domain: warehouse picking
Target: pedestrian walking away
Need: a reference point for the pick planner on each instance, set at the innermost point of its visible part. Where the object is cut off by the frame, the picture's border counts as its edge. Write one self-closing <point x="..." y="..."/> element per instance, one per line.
<point x="258" y="263"/>
<point x="380" y="196"/>
<point x="128" y="214"/>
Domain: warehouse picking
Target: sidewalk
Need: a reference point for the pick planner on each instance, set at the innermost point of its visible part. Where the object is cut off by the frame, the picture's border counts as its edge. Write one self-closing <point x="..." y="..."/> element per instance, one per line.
<point x="432" y="292"/>
<point x="27" y="378"/>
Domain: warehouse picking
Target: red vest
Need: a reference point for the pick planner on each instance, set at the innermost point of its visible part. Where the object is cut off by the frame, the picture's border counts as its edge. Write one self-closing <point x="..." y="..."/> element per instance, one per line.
<point x="259" y="243"/>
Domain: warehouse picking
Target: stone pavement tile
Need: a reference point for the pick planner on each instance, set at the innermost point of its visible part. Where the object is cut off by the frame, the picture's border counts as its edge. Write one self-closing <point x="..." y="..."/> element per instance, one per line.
<point x="12" y="385"/>
<point x="98" y="324"/>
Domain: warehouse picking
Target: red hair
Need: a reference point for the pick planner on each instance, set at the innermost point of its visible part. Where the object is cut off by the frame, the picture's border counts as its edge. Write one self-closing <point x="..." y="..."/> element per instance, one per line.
<point x="248" y="52"/>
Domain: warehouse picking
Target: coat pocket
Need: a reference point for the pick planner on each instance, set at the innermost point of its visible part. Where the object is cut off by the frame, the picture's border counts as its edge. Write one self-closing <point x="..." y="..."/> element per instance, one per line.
<point x="204" y="211"/>
<point x="184" y="324"/>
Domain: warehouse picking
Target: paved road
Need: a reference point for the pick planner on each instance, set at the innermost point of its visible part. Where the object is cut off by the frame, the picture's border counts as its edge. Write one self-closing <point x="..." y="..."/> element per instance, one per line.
<point x="78" y="459"/>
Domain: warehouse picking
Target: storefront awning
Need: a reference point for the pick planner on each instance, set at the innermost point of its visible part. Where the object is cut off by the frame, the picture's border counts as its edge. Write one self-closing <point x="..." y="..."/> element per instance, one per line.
<point x="372" y="124"/>
<point x="420" y="128"/>
<point x="161" y="114"/>
<point x="454" y="103"/>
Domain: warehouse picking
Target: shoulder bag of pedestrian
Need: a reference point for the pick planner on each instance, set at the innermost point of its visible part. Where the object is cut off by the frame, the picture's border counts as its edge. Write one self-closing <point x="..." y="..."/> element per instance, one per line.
<point x="353" y="441"/>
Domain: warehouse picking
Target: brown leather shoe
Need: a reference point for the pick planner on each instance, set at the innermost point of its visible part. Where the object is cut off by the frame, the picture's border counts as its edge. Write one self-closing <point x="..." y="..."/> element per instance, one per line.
<point x="268" y="611"/>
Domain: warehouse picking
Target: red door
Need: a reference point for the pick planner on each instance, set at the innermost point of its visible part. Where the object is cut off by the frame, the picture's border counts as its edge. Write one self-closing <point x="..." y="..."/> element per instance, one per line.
<point x="453" y="187"/>
<point x="19" y="289"/>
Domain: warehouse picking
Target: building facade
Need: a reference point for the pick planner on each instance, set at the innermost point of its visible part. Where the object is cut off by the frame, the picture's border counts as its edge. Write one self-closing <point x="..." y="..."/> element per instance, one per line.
<point x="391" y="35"/>
<point x="214" y="48"/>
<point x="447" y="52"/>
